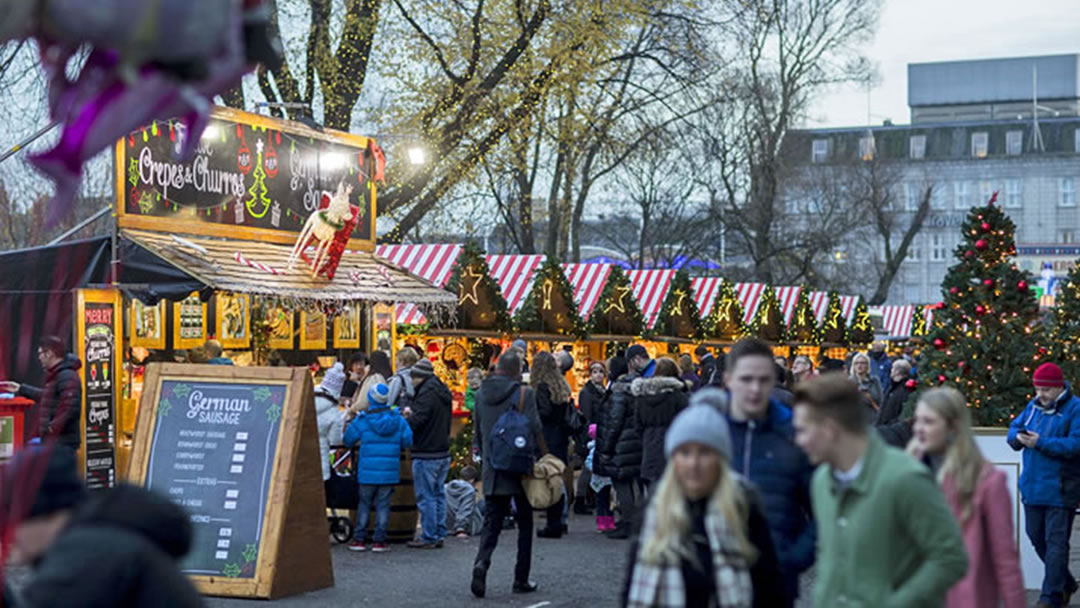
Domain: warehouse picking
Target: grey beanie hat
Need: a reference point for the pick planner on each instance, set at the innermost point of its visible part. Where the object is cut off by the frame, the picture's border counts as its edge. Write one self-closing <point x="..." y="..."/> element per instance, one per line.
<point x="713" y="397"/>
<point x="422" y="369"/>
<point x="699" y="424"/>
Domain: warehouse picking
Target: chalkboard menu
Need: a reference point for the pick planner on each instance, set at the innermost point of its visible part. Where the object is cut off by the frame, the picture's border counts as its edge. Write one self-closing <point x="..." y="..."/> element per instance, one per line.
<point x="98" y="316"/>
<point x="237" y="449"/>
<point x="249" y="170"/>
<point x="213" y="452"/>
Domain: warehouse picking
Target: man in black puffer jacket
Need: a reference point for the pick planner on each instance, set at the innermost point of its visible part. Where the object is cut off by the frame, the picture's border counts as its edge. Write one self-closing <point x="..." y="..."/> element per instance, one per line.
<point x="119" y="548"/>
<point x="429" y="417"/>
<point x="59" y="404"/>
<point x="657" y="401"/>
<point x="620" y="445"/>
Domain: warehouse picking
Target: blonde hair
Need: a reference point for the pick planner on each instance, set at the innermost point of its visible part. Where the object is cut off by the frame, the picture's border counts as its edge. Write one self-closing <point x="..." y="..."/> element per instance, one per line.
<point x="407" y="357"/>
<point x="869" y="367"/>
<point x="964" y="464"/>
<point x="546" y="371"/>
<point x="670" y="542"/>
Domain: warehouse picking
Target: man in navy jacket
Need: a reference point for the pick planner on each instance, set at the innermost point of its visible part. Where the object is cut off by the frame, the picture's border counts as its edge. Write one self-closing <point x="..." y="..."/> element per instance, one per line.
<point x="1048" y="431"/>
<point x="764" y="451"/>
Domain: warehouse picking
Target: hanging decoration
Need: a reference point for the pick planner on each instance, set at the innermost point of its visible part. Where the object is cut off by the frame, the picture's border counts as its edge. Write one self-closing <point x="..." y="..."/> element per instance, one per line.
<point x="804" y="328"/>
<point x="725" y="322"/>
<point x="616" y="312"/>
<point x="834" y="331"/>
<point x="679" y="316"/>
<point x="549" y="307"/>
<point x="862" y="329"/>
<point x="768" y="322"/>
<point x="329" y="227"/>
<point x="481" y="305"/>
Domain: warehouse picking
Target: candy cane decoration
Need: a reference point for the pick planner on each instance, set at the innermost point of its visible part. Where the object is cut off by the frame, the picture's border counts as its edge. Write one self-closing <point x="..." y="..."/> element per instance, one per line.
<point x="256" y="265"/>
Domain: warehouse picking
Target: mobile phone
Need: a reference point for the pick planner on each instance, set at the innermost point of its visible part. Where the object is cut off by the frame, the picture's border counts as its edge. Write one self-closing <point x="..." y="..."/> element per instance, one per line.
<point x="1023" y="431"/>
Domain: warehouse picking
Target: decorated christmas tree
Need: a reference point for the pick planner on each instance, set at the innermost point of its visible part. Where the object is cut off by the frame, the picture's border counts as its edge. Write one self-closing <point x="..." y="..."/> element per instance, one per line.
<point x="1066" y="327"/>
<point x="804" y="327"/>
<point x="679" y="316"/>
<point x="834" y="326"/>
<point x="985" y="339"/>
<point x="725" y="321"/>
<point x="768" y="323"/>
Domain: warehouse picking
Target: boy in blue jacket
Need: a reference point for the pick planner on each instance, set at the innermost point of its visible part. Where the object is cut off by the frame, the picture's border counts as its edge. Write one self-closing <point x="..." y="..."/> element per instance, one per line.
<point x="1048" y="431"/>
<point x="382" y="434"/>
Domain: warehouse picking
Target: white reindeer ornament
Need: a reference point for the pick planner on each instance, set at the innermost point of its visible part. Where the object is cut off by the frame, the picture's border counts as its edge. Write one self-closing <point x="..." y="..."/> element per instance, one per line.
<point x="321" y="226"/>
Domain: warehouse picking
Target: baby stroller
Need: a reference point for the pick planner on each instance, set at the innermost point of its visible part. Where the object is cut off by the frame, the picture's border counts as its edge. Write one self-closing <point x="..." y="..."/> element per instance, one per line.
<point x="341" y="492"/>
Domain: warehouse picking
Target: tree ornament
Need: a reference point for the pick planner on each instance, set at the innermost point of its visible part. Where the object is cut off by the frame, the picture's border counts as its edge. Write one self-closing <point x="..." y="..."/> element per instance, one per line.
<point x="969" y="254"/>
<point x="954" y="290"/>
<point x="941" y="379"/>
<point x="961" y="364"/>
<point x="985" y="227"/>
<point x="980" y="309"/>
<point x="940" y="305"/>
<point x="1022" y="285"/>
<point x="981" y="244"/>
<point x="988" y="283"/>
<point x="911" y="385"/>
<point x="939" y="343"/>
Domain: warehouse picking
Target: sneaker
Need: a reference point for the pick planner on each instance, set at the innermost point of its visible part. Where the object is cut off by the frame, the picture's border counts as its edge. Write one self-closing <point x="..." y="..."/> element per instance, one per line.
<point x="420" y="544"/>
<point x="380" y="548"/>
<point x="357" y="545"/>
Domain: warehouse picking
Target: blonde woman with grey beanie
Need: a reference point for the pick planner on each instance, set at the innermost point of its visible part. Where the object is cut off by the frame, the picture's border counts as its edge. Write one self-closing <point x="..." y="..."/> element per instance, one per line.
<point x="704" y="541"/>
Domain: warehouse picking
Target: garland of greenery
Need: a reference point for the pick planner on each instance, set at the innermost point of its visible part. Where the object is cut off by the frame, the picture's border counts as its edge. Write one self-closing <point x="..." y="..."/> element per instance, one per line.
<point x="679" y="311"/>
<point x="834" y="327"/>
<point x="725" y="322"/>
<point x="768" y="323"/>
<point x="862" y="330"/>
<point x="804" y="326"/>
<point x="549" y="286"/>
<point x="473" y="263"/>
<point x="617" y="304"/>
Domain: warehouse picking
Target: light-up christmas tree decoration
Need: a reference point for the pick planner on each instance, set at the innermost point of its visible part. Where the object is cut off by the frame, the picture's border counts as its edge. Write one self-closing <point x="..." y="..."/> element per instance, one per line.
<point x="985" y="339"/>
<point x="259" y="203"/>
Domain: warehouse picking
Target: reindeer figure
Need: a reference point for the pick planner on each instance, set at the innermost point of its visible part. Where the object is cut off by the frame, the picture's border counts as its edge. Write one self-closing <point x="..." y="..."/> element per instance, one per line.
<point x="321" y="226"/>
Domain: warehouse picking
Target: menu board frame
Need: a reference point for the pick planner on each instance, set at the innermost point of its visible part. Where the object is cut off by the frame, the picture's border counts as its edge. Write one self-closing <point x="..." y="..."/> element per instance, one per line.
<point x="293" y="555"/>
<point x="221" y="301"/>
<point x="155" y="342"/>
<point x="103" y="299"/>
<point x="347" y="327"/>
<point x="180" y="342"/>
<point x="316" y="340"/>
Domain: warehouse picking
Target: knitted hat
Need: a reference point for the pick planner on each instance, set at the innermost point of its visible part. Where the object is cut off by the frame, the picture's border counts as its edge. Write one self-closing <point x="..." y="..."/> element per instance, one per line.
<point x="423" y="369"/>
<point x="636" y="350"/>
<point x="697" y="424"/>
<point x="59" y="487"/>
<point x="378" y="395"/>
<point x="334" y="380"/>
<point x="716" y="398"/>
<point x="1048" y="375"/>
<point x="520" y="345"/>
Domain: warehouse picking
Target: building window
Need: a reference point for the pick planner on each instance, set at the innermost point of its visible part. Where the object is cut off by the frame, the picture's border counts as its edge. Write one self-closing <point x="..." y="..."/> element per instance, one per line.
<point x="917" y="146"/>
<point x="820" y="151"/>
<point x="1014" y="142"/>
<point x="986" y="190"/>
<point x="866" y="147"/>
<point x="962" y="195"/>
<point x="939" y="197"/>
<point x="937" y="248"/>
<point x="911" y="197"/>
<point x="1013" y="194"/>
<point x="1067" y="192"/>
<point x="980" y="141"/>
<point x="913" y="250"/>
<point x="1066" y="237"/>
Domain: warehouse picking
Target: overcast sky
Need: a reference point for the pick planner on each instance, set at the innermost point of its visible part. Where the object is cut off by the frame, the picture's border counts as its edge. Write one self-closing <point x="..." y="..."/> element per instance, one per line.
<point x="914" y="31"/>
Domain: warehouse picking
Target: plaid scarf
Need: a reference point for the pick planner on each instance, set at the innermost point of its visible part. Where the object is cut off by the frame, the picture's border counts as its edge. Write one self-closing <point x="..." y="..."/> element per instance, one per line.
<point x="661" y="586"/>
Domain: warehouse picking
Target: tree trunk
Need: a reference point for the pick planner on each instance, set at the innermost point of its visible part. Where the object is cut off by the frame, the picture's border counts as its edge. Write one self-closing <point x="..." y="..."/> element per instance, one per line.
<point x="893" y="261"/>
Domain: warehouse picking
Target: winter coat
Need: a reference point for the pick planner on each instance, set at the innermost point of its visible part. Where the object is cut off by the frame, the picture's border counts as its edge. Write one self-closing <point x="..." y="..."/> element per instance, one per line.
<point x="553" y="421"/>
<point x="360" y="399"/>
<point x="401" y="388"/>
<point x="880" y="368"/>
<point x="498" y="394"/>
<point x="692" y="381"/>
<point x="59" y="404"/>
<point x="382" y="434"/>
<point x="220" y="361"/>
<point x="993" y="574"/>
<point x="591" y="402"/>
<point x="893" y="407"/>
<point x="709" y="371"/>
<point x="462" y="512"/>
<point x="782" y="395"/>
<point x="119" y="549"/>
<point x="872" y="395"/>
<point x="620" y="446"/>
<point x="432" y="406"/>
<point x="656" y="401"/>
<point x="897" y="433"/>
<point x="1050" y="476"/>
<point x="330" y="427"/>
<point x="764" y="452"/>
<point x="887" y="539"/>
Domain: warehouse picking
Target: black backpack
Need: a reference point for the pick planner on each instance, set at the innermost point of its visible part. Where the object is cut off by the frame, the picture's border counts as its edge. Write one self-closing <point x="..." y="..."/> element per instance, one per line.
<point x="512" y="443"/>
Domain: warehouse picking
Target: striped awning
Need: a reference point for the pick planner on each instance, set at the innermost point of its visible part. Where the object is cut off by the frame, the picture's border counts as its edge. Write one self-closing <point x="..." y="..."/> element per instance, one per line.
<point x="433" y="263"/>
<point x="514" y="274"/>
<point x="587" y="281"/>
<point x="705" y="290"/>
<point x="749" y="297"/>
<point x="929" y="312"/>
<point x="897" y="320"/>
<point x="847" y="307"/>
<point x="819" y="302"/>
<point x="650" y="288"/>
<point x="788" y="297"/>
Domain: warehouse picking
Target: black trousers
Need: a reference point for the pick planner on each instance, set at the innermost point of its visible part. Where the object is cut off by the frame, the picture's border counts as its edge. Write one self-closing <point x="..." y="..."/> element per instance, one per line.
<point x="629" y="494"/>
<point x="496" y="508"/>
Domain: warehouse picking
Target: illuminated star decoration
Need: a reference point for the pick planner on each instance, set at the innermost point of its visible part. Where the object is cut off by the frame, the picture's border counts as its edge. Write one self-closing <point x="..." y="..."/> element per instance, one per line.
<point x="471" y="273"/>
<point x="617" y="301"/>
<point x="548" y="286"/>
<point x="678" y="303"/>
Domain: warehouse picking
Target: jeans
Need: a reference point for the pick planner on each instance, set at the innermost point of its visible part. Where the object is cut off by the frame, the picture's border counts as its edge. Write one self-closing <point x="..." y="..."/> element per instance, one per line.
<point x="380" y="497"/>
<point x="496" y="508"/>
<point x="429" y="475"/>
<point x="1049" y="529"/>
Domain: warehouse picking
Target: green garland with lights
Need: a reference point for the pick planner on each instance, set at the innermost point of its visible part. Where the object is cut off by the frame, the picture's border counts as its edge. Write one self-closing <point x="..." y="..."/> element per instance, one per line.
<point x="768" y="322"/>
<point x="478" y="294"/>
<point x="918" y="323"/>
<point x="834" y="331"/>
<point x="550" y="307"/>
<point x="679" y="316"/>
<point x="725" y="321"/>
<point x="616" y="311"/>
<point x="986" y="340"/>
<point x="804" y="326"/>
<point x="862" y="329"/>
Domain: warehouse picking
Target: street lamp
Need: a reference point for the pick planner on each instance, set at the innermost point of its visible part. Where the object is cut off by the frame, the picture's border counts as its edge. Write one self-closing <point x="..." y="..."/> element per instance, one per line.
<point x="417" y="156"/>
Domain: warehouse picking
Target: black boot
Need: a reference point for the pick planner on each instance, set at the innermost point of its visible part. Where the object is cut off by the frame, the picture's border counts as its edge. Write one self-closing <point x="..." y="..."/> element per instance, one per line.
<point x="479" y="580"/>
<point x="621" y="531"/>
<point x="550" y="532"/>
<point x="525" y="587"/>
<point x="581" y="507"/>
<point x="508" y="522"/>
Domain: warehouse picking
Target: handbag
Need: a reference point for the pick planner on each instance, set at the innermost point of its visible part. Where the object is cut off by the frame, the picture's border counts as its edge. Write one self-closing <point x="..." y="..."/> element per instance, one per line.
<point x="543" y="487"/>
<point x="572" y="418"/>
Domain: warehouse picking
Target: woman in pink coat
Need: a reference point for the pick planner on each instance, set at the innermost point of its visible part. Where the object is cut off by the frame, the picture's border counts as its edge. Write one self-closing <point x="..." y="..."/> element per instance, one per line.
<point x="979" y="498"/>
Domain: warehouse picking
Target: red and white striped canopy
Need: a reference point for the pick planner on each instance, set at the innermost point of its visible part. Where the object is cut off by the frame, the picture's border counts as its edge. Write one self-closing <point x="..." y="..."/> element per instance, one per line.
<point x="819" y="302"/>
<point x="897" y="320"/>
<point x="788" y="297"/>
<point x="650" y="288"/>
<point x="514" y="274"/>
<point x="587" y="281"/>
<point x="433" y="263"/>
<point x="847" y="307"/>
<point x="929" y="312"/>
<point x="705" y="291"/>
<point x="749" y="297"/>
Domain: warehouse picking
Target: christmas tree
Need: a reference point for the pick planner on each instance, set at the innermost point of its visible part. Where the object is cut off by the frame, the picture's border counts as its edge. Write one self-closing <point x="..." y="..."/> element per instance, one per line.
<point x="984" y="340"/>
<point x="1066" y="326"/>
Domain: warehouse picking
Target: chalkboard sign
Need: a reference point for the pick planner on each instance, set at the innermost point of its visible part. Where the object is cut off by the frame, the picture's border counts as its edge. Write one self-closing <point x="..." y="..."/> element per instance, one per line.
<point x="98" y="320"/>
<point x="249" y="172"/>
<point x="237" y="448"/>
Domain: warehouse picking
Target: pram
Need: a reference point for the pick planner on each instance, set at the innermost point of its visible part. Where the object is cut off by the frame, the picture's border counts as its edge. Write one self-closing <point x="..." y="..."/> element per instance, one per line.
<point x="341" y="492"/>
